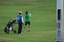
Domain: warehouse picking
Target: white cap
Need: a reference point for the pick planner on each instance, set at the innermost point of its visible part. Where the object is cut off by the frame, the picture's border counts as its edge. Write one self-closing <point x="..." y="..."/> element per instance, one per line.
<point x="19" y="11"/>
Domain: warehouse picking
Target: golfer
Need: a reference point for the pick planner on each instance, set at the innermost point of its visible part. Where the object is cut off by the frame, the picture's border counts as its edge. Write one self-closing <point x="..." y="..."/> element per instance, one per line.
<point x="20" y="21"/>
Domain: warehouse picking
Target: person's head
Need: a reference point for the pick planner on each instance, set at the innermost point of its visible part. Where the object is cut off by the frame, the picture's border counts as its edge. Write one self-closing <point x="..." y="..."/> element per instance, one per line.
<point x="26" y="13"/>
<point x="20" y="12"/>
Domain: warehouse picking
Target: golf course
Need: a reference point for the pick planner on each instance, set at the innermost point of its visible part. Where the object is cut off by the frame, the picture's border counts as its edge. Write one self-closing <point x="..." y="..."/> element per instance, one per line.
<point x="43" y="20"/>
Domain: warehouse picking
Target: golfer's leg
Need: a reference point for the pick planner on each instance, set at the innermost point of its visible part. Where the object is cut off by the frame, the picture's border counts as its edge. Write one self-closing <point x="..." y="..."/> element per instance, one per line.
<point x="18" y="28"/>
<point x="28" y="26"/>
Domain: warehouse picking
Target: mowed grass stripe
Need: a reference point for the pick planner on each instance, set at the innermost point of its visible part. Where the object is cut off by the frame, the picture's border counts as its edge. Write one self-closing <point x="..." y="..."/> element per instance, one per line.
<point x="31" y="36"/>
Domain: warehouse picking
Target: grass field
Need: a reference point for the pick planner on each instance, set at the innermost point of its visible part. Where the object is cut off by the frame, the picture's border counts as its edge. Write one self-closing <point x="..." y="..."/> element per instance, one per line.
<point x="42" y="22"/>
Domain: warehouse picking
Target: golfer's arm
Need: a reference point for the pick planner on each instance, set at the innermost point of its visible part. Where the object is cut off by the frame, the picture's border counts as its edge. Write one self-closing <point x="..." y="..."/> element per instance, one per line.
<point x="22" y="20"/>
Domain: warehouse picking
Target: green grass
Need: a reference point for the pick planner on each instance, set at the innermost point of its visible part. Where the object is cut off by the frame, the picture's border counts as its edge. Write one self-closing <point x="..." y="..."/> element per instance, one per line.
<point x="42" y="22"/>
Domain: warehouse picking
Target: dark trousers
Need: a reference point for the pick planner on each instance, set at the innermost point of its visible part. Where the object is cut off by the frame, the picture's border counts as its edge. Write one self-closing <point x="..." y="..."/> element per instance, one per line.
<point x="19" y="28"/>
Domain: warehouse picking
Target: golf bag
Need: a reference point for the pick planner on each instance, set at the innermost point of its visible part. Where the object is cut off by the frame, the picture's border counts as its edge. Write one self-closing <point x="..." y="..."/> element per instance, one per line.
<point x="9" y="26"/>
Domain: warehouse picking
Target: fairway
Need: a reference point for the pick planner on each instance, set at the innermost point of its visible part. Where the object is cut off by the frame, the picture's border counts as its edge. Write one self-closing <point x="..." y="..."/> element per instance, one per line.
<point x="43" y="25"/>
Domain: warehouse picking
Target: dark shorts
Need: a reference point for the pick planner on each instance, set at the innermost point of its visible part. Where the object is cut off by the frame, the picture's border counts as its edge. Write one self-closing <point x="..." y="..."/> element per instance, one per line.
<point x="27" y="23"/>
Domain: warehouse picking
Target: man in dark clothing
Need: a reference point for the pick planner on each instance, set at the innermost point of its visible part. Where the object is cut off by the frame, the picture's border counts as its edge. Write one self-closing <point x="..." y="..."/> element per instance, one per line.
<point x="20" y="21"/>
